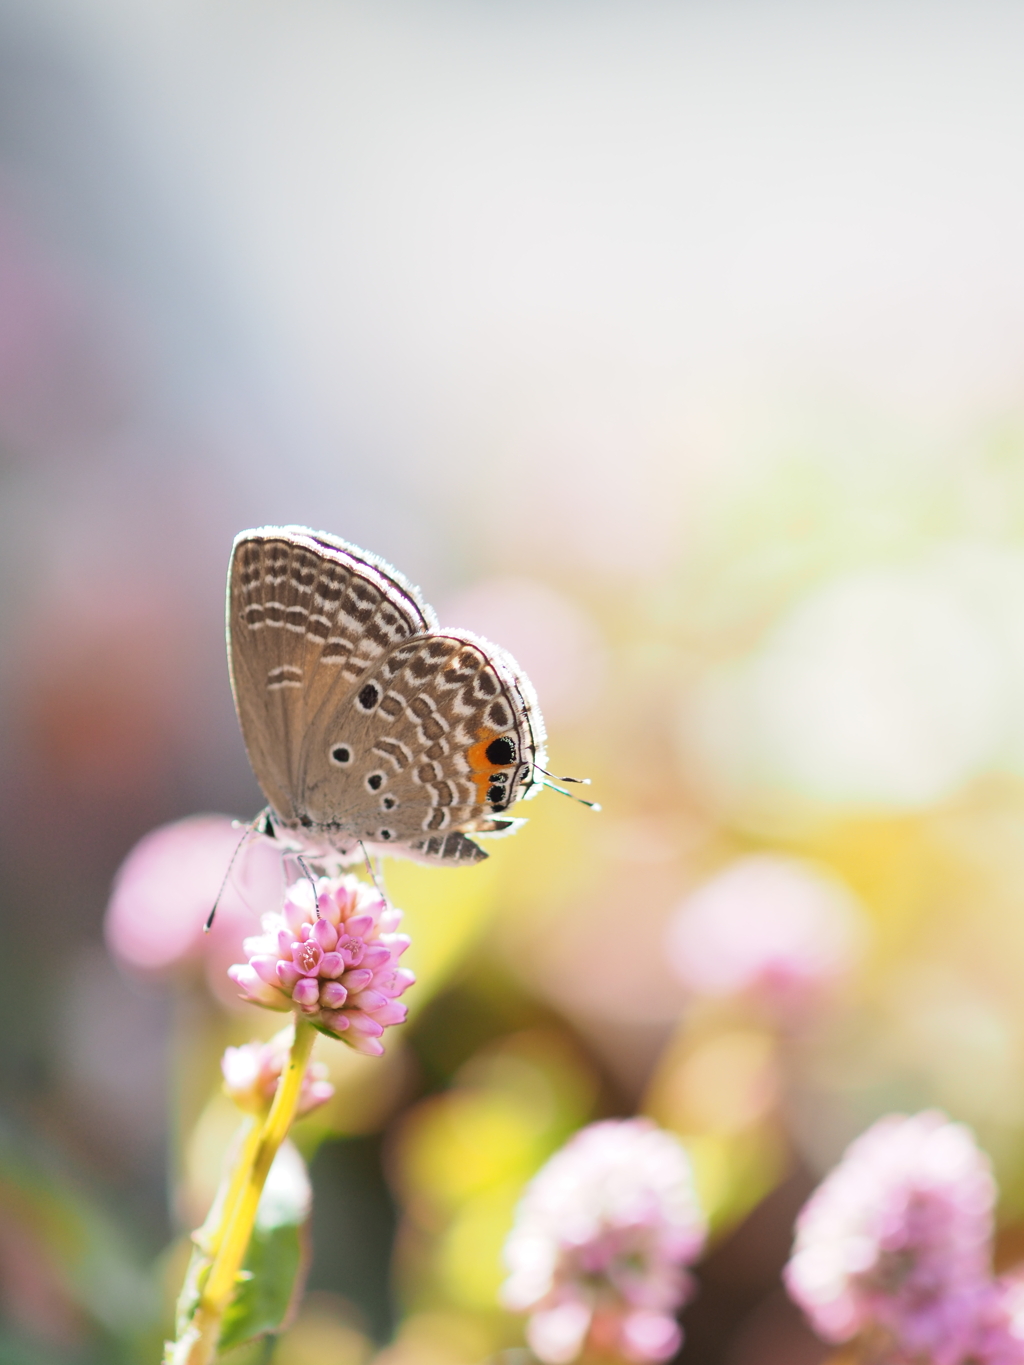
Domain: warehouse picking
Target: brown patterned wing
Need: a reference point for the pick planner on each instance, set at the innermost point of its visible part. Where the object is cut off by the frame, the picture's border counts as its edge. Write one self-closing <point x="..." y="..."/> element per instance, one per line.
<point x="308" y="616"/>
<point x="439" y="739"/>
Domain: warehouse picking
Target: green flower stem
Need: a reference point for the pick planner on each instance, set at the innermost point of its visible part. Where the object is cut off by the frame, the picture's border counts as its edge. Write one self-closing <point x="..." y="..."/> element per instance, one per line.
<point x="229" y="1243"/>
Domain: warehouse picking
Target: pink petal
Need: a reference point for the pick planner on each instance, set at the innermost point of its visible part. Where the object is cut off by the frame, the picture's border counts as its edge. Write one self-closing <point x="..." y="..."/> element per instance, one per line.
<point x="363" y="1024"/>
<point x="392" y="1012"/>
<point x="317" y="1093"/>
<point x="256" y="990"/>
<point x="393" y="981"/>
<point x="336" y="1020"/>
<point x="359" y="925"/>
<point x="287" y="974"/>
<point x="306" y="992"/>
<point x="370" y="1047"/>
<point x="284" y="943"/>
<point x="367" y="1000"/>
<point x="333" y="995"/>
<point x="307" y="957"/>
<point x="557" y="1334"/>
<point x="265" y="967"/>
<point x="357" y="979"/>
<point x="332" y="964"/>
<point x="325" y="934"/>
<point x="376" y="955"/>
<point x="397" y="943"/>
<point x="295" y="916"/>
<point x="244" y="976"/>
<point x="330" y="910"/>
<point x="650" y="1336"/>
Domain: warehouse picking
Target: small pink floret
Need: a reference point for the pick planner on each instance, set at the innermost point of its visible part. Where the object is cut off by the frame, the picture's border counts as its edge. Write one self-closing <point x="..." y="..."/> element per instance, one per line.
<point x="287" y="974"/>
<point x="325" y="934"/>
<point x="351" y="949"/>
<point x="333" y="995"/>
<point x="307" y="957"/>
<point x="306" y="993"/>
<point x="252" y="1071"/>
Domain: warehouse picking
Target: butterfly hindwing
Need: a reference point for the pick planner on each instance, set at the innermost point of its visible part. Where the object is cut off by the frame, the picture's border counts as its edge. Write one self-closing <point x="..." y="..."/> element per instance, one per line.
<point x="437" y="740"/>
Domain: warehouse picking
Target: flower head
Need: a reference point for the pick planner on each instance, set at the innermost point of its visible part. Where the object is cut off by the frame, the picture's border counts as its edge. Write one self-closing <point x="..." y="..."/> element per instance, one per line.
<point x="601" y="1239"/>
<point x="333" y="958"/>
<point x="895" y="1242"/>
<point x="252" y="1071"/>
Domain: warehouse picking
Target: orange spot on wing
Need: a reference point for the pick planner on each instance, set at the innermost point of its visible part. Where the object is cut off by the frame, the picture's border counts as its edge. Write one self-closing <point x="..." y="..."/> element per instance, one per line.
<point x="480" y="766"/>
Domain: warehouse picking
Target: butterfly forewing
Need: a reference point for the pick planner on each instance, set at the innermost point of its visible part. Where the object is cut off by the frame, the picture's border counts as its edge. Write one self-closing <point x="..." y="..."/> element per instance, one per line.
<point x="365" y="723"/>
<point x="303" y="614"/>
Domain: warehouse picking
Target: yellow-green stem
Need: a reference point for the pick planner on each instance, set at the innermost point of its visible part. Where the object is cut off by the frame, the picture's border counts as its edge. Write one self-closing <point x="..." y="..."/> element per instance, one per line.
<point x="232" y="1237"/>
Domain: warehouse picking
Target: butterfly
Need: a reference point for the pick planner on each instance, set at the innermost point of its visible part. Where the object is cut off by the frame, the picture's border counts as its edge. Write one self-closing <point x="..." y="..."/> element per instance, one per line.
<point x="368" y="727"/>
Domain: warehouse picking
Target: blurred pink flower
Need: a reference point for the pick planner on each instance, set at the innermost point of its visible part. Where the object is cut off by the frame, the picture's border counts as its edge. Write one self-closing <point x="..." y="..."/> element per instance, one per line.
<point x="165" y="888"/>
<point x="600" y="1240"/>
<point x="252" y="1071"/>
<point x="334" y="960"/>
<point x="895" y="1244"/>
<point x="773" y="926"/>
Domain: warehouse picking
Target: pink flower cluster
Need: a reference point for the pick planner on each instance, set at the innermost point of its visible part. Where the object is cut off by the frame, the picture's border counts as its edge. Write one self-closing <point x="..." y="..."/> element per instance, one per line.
<point x="251" y="1073"/>
<point x="895" y="1248"/>
<point x="600" y="1242"/>
<point x="333" y="958"/>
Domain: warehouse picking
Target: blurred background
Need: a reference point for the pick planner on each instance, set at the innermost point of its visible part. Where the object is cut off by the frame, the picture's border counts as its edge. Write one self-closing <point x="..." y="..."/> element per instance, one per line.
<point x="679" y="347"/>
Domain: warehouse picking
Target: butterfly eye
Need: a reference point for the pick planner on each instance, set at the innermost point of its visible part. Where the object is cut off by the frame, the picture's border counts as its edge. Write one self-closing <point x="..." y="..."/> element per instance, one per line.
<point x="342" y="755"/>
<point x="375" y="781"/>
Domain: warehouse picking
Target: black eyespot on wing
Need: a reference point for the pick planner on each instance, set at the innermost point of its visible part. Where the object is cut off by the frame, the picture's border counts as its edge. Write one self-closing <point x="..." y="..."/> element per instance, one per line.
<point x="342" y="754"/>
<point x="386" y="834"/>
<point x="368" y="697"/>
<point x="501" y="751"/>
<point x="388" y="802"/>
<point x="375" y="781"/>
<point x="305" y="821"/>
<point x="496" y="794"/>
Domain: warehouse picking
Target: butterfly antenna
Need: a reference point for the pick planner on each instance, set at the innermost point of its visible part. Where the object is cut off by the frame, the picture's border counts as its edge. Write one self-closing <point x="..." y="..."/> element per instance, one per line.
<point x="264" y="815"/>
<point x="309" y="877"/>
<point x="583" y="781"/>
<point x="373" y="875"/>
<point x="593" y="805"/>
